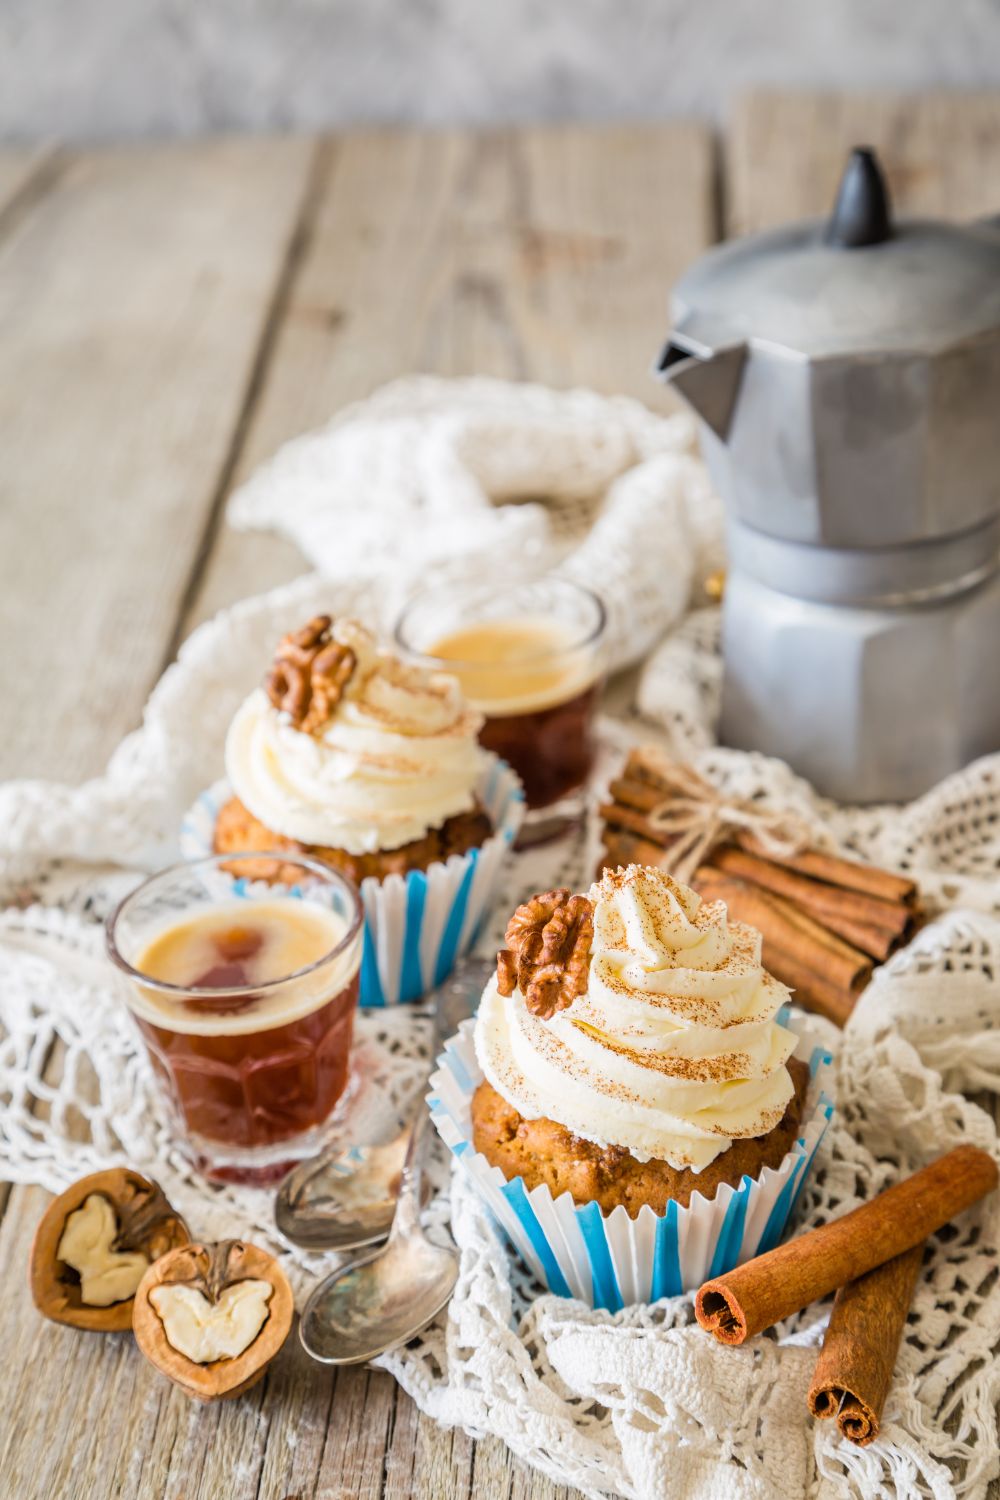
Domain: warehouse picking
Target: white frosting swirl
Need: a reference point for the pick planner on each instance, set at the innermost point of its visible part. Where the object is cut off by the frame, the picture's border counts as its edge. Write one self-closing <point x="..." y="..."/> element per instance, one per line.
<point x="397" y="757"/>
<point x="673" y="1052"/>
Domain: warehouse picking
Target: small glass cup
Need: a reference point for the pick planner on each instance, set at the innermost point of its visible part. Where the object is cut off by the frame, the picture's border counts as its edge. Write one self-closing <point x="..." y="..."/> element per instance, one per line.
<point x="529" y="656"/>
<point x="252" y="1071"/>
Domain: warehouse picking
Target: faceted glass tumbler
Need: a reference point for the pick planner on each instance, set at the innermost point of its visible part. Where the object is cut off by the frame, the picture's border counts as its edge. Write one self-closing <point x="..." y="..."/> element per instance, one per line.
<point x="252" y="1072"/>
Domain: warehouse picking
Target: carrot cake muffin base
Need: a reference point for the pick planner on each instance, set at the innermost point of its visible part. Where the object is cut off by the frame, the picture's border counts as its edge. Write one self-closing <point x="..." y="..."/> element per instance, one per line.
<point x="236" y="829"/>
<point x="540" y="1151"/>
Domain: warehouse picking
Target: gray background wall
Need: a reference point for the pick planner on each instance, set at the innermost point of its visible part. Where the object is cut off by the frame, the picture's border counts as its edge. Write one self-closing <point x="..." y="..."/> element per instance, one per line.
<point x="107" y="68"/>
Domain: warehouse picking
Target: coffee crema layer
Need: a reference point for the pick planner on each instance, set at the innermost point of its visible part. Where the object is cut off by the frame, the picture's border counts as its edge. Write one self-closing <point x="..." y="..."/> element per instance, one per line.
<point x="397" y="757"/>
<point x="518" y="666"/>
<point x="673" y="1052"/>
<point x="265" y="958"/>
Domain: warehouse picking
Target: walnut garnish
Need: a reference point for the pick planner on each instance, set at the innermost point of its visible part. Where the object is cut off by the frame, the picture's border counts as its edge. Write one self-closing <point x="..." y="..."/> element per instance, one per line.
<point x="548" y="951"/>
<point x="212" y="1317"/>
<point x="93" y="1245"/>
<point x="309" y="674"/>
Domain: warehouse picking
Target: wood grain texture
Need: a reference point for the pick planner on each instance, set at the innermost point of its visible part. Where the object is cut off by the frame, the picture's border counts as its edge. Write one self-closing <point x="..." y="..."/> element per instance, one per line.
<point x="785" y="153"/>
<point x="174" y="316"/>
<point x="542" y="254"/>
<point x="133" y="295"/>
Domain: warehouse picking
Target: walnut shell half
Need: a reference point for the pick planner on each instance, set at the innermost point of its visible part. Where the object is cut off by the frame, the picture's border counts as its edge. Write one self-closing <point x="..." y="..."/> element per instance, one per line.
<point x="194" y="1295"/>
<point x="133" y="1220"/>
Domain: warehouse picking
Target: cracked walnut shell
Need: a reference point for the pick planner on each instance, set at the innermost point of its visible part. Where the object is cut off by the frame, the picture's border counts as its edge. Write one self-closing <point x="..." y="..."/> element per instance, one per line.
<point x="212" y="1317"/>
<point x="309" y="674"/>
<point x="548" y="951"/>
<point x="94" y="1243"/>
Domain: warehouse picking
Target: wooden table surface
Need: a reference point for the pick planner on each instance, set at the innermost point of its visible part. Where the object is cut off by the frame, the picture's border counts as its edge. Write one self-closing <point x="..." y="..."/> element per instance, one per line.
<point x="169" y="315"/>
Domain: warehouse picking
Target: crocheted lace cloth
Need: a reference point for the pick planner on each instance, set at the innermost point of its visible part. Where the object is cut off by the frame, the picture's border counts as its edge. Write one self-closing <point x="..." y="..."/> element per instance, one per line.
<point x="641" y="1403"/>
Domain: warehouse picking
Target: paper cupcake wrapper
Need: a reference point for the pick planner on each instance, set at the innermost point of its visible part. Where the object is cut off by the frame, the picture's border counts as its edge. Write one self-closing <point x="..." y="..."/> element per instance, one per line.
<point x="417" y="926"/>
<point x="612" y="1260"/>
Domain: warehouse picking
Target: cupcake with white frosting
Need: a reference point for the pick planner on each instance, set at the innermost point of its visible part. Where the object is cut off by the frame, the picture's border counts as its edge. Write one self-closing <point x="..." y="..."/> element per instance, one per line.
<point x="351" y="757"/>
<point x="633" y="1105"/>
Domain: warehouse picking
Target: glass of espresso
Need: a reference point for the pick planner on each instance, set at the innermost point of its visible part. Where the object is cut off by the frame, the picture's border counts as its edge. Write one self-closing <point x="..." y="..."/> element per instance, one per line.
<point x="529" y="656"/>
<point x="245" y="998"/>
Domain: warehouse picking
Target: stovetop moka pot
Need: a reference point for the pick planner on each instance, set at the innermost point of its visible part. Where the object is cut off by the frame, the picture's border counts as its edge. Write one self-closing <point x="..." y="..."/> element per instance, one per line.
<point x="846" y="374"/>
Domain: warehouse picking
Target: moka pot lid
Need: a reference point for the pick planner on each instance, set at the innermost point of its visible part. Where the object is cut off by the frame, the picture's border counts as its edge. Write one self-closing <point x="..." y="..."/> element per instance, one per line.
<point x="855" y="283"/>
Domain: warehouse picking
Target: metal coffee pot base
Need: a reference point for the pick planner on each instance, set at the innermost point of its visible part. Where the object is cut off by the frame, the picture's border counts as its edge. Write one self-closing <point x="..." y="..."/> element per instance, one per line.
<point x="870" y="704"/>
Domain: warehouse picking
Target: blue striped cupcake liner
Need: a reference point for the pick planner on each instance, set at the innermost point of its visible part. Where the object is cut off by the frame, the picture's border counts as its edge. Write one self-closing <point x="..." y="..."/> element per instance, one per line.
<point x="612" y="1260"/>
<point x="417" y="926"/>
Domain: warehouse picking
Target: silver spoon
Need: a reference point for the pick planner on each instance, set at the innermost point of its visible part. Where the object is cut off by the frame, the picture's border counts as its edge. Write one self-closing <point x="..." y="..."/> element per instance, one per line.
<point x="346" y="1199"/>
<point x="383" y="1299"/>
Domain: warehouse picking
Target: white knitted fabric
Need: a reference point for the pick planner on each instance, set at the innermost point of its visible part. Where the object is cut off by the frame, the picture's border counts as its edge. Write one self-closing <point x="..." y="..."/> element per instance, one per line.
<point x="642" y="1403"/>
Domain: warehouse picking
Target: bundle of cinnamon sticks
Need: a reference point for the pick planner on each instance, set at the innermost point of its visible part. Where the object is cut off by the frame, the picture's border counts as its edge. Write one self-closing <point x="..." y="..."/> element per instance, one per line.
<point x="872" y="1258"/>
<point x="826" y="921"/>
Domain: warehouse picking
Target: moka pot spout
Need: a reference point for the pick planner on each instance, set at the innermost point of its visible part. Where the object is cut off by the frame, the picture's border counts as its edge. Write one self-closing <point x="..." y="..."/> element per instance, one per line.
<point x="708" y="379"/>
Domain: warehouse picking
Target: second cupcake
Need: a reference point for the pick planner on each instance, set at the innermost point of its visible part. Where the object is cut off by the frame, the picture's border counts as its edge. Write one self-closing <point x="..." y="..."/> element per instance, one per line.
<point x="349" y="756"/>
<point x="628" y="1101"/>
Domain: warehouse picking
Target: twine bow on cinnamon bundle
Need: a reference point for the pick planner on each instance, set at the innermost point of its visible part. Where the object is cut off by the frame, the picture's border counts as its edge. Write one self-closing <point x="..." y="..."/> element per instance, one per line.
<point x="826" y="921"/>
<point x="696" y="817"/>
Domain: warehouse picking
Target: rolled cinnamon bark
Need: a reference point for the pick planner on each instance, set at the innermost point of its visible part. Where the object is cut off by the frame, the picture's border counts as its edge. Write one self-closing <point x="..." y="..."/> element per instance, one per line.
<point x="812" y="991"/>
<point x="878" y="942"/>
<point x="828" y="904"/>
<point x="854" y="1369"/>
<point x="622" y="848"/>
<point x="852" y="875"/>
<point x="633" y="821"/>
<point x="761" y="1292"/>
<point x="787" y="931"/>
<point x="631" y="792"/>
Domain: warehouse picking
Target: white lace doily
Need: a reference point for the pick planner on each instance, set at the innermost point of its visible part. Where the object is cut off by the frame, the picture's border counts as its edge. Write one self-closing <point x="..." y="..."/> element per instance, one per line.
<point x="641" y="1403"/>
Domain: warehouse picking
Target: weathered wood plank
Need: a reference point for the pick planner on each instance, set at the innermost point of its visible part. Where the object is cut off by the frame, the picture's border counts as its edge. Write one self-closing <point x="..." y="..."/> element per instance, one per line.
<point x="785" y="152"/>
<point x="135" y="289"/>
<point x="133" y="297"/>
<point x="26" y="172"/>
<point x="541" y="254"/>
<point x="546" y="254"/>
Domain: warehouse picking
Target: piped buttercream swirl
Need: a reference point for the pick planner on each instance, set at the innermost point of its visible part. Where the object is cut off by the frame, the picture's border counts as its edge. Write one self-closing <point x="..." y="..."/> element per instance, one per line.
<point x="673" y="1052"/>
<point x="397" y="757"/>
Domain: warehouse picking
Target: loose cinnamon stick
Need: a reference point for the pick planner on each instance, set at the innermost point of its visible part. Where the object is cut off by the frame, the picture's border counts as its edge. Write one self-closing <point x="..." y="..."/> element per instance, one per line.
<point x="825" y="902"/>
<point x="854" y="1369"/>
<point x="787" y="930"/>
<point x="761" y="1292"/>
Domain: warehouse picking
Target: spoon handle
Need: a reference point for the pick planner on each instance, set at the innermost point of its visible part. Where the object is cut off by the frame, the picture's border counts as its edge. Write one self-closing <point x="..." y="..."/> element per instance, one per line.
<point x="451" y="1005"/>
<point x="407" y="1217"/>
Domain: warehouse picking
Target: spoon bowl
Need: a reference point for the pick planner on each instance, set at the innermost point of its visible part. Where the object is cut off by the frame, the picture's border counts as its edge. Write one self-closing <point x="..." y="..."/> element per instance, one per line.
<point x="378" y="1302"/>
<point x="342" y="1202"/>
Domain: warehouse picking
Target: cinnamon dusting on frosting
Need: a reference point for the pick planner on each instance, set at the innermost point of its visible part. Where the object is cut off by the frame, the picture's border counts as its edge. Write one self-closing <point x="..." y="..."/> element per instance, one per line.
<point x="368" y="754"/>
<point x="669" y="1049"/>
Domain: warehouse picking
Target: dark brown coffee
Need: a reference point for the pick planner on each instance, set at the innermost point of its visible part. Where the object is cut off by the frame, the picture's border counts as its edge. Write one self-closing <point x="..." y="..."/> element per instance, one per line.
<point x="551" y="749"/>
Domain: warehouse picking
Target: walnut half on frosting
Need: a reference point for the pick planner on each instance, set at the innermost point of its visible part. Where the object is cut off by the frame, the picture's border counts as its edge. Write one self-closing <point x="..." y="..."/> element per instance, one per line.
<point x="309" y="674"/>
<point x="547" y="956"/>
